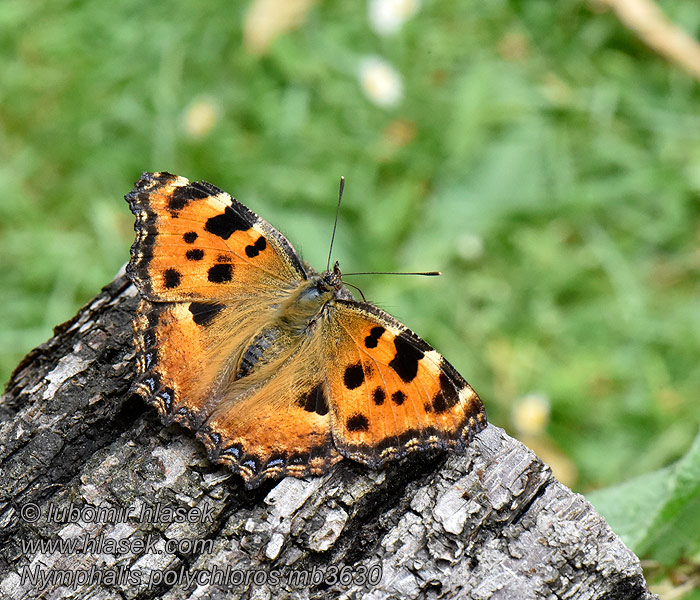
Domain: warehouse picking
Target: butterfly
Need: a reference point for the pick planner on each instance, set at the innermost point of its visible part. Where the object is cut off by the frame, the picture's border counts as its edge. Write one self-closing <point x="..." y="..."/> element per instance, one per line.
<point x="277" y="368"/>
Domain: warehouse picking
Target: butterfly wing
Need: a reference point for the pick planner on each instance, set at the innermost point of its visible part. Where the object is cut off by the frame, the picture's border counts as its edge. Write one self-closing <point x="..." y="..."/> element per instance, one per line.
<point x="194" y="242"/>
<point x="390" y="392"/>
<point x="275" y="421"/>
<point x="210" y="272"/>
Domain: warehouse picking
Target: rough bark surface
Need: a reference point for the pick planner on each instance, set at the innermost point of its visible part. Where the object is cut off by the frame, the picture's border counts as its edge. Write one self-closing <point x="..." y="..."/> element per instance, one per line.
<point x="492" y="523"/>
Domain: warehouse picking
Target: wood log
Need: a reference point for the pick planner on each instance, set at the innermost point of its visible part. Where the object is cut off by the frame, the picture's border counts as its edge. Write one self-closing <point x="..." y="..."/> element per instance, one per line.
<point x="99" y="500"/>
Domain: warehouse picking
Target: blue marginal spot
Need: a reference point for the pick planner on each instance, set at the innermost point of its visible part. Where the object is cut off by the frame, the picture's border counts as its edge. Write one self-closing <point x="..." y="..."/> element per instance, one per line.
<point x="236" y="452"/>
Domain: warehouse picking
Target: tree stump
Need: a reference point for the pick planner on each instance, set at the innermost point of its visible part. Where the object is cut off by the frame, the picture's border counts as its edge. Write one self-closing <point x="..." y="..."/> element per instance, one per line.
<point x="99" y="500"/>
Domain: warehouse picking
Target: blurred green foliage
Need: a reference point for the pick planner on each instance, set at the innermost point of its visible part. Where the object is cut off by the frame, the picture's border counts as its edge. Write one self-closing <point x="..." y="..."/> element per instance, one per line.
<point x="658" y="513"/>
<point x="541" y="157"/>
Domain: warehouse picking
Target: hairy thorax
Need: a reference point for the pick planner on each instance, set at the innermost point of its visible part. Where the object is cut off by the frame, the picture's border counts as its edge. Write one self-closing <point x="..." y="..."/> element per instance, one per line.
<point x="296" y="317"/>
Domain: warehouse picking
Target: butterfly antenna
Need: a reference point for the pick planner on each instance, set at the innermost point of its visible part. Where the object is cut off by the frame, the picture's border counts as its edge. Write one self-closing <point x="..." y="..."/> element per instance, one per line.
<point x="426" y="273"/>
<point x="335" y="224"/>
<point x="357" y="288"/>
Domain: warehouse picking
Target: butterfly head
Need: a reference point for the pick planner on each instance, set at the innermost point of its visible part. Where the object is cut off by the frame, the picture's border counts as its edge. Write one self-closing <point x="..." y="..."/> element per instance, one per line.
<point x="312" y="296"/>
<point x="329" y="284"/>
<point x="333" y="279"/>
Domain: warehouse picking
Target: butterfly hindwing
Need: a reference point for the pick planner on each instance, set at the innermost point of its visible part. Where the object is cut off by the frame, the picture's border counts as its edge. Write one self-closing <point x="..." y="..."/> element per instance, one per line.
<point x="275" y="421"/>
<point x="271" y="423"/>
<point x="391" y="392"/>
<point x="185" y="348"/>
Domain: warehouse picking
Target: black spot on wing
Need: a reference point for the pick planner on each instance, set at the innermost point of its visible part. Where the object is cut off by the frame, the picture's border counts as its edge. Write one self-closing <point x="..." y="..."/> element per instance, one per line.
<point x="176" y="204"/>
<point x="190" y="237"/>
<point x="314" y="401"/>
<point x="398" y="397"/>
<point x="254" y="249"/>
<point x="379" y="396"/>
<point x="354" y="376"/>
<point x="447" y="397"/>
<point x="405" y="361"/>
<point x="204" y="312"/>
<point x="236" y="218"/>
<point x="171" y="278"/>
<point x="357" y="422"/>
<point x="183" y="194"/>
<point x="372" y="339"/>
<point x="195" y="254"/>
<point x="220" y="273"/>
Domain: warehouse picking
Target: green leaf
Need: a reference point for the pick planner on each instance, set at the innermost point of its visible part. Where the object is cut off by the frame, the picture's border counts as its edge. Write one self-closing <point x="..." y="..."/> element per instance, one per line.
<point x="657" y="514"/>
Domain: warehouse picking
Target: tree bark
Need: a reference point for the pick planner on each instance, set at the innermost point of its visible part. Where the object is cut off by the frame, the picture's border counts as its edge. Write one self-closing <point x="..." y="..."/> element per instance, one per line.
<point x="491" y="523"/>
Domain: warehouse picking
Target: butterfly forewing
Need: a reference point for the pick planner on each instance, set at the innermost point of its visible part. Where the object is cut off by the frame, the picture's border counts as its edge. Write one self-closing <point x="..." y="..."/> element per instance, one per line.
<point x="391" y="392"/>
<point x="195" y="242"/>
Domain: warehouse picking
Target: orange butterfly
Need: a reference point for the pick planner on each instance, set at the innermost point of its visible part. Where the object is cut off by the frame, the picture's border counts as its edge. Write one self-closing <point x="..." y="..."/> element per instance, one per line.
<point x="277" y="368"/>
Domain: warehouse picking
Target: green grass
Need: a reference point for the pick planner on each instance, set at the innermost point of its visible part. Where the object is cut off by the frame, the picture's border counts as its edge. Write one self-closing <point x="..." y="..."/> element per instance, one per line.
<point x="546" y="161"/>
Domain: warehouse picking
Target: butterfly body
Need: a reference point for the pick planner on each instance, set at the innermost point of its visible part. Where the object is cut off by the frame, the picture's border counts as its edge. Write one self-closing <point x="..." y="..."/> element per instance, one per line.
<point x="298" y="316"/>
<point x="277" y="368"/>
